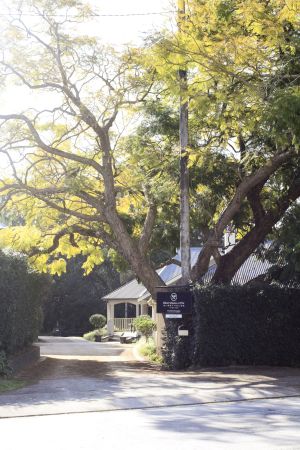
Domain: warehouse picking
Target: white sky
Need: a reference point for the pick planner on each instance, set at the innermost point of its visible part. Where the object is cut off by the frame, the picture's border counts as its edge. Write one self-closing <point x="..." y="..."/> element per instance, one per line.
<point x="115" y="31"/>
<point x="131" y="28"/>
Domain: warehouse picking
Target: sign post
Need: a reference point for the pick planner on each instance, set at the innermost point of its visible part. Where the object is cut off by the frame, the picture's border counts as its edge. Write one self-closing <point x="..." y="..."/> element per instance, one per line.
<point x="174" y="301"/>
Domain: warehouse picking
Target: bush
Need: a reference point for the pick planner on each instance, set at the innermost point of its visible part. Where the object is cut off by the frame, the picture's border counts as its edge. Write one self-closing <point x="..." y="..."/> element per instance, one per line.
<point x="238" y="325"/>
<point x="21" y="295"/>
<point x="97" y="320"/>
<point x="148" y="349"/>
<point x="145" y="325"/>
<point x="4" y="368"/>
<point x="92" y="335"/>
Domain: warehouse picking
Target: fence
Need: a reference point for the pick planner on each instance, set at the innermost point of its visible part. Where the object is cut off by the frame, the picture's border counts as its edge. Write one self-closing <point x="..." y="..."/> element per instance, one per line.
<point x="123" y="324"/>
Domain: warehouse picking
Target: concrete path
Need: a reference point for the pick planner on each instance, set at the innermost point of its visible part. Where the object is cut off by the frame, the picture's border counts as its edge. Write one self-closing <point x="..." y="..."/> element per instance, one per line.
<point x="97" y="394"/>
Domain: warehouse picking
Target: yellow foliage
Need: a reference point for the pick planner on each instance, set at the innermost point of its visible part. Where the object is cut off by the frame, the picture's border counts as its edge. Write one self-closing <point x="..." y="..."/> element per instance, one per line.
<point x="96" y="257"/>
<point x="40" y="263"/>
<point x="57" y="267"/>
<point x="20" y="238"/>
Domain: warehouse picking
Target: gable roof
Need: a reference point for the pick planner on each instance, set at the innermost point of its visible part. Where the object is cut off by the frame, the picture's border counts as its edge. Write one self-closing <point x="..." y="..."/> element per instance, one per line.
<point x="133" y="290"/>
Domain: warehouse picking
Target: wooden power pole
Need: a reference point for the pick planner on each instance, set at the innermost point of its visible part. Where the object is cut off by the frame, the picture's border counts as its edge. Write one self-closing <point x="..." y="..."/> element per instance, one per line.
<point x="184" y="171"/>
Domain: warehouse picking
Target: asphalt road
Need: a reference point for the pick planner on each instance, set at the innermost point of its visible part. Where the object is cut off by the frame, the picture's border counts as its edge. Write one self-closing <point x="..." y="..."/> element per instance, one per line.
<point x="83" y="395"/>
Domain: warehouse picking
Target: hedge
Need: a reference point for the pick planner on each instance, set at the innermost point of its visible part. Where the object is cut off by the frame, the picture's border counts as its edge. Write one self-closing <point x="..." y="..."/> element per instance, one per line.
<point x="21" y="295"/>
<point x="237" y="325"/>
<point x="74" y="297"/>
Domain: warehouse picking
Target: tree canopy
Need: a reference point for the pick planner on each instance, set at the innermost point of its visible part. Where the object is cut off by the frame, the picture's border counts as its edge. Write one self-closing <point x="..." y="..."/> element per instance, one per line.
<point x="244" y="107"/>
<point x="84" y="186"/>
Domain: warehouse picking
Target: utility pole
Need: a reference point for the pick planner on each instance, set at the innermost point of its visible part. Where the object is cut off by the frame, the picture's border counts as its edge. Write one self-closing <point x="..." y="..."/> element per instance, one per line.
<point x="184" y="158"/>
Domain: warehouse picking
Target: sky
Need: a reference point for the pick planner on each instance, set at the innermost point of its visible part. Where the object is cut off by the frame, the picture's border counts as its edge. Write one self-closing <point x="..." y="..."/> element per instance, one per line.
<point x="123" y="22"/>
<point x="131" y="28"/>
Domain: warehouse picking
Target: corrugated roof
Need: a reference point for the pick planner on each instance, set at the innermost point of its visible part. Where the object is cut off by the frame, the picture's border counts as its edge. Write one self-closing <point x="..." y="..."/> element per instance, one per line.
<point x="252" y="268"/>
<point x="171" y="272"/>
<point x="134" y="290"/>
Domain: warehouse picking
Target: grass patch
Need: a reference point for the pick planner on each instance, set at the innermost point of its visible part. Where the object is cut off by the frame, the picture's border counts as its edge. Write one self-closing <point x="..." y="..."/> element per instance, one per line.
<point x="148" y="350"/>
<point x="9" y="384"/>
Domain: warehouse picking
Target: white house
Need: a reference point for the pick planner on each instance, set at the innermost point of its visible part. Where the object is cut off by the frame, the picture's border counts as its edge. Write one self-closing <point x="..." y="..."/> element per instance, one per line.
<point x="134" y="293"/>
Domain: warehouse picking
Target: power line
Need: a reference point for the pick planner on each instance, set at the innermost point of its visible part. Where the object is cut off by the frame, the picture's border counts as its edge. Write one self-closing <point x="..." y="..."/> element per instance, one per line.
<point x="161" y="13"/>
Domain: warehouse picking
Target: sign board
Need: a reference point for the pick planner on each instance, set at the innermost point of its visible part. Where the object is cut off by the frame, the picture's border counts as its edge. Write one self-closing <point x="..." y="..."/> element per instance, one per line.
<point x="183" y="332"/>
<point x="173" y="316"/>
<point x="174" y="301"/>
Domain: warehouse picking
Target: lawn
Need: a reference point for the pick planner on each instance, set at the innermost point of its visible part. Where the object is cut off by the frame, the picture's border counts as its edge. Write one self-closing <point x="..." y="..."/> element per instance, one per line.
<point x="9" y="384"/>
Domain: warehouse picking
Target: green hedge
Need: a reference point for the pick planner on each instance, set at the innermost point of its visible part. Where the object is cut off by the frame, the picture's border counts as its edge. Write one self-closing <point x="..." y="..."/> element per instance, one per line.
<point x="238" y="325"/>
<point x="74" y="297"/>
<point x="21" y="295"/>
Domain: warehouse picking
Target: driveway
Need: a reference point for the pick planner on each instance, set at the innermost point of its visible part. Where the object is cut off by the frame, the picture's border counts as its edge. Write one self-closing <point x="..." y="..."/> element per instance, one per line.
<point x="83" y="394"/>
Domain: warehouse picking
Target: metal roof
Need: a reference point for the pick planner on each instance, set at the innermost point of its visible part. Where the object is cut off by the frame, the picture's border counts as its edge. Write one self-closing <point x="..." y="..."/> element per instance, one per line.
<point x="133" y="290"/>
<point x="251" y="269"/>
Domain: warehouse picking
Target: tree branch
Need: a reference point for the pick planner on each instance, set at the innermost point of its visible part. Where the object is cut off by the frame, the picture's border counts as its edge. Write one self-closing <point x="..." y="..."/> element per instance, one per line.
<point x="253" y="198"/>
<point x="232" y="261"/>
<point x="260" y="176"/>
<point x="248" y="183"/>
<point x="49" y="149"/>
<point x="148" y="228"/>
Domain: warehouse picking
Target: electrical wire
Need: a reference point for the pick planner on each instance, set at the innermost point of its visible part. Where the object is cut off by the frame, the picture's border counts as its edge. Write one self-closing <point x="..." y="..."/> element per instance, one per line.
<point x="93" y="14"/>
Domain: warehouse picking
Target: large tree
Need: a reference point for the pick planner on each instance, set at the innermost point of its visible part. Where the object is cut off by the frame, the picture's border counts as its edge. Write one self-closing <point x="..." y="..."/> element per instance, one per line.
<point x="244" y="106"/>
<point x="83" y="188"/>
<point x="69" y="177"/>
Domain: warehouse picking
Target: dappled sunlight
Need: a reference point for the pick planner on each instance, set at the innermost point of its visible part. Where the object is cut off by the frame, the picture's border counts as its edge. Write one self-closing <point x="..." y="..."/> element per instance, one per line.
<point x="229" y="407"/>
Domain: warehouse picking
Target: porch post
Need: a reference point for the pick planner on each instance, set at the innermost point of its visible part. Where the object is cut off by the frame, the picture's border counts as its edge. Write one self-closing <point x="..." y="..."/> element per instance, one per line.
<point x="110" y="318"/>
<point x="137" y="310"/>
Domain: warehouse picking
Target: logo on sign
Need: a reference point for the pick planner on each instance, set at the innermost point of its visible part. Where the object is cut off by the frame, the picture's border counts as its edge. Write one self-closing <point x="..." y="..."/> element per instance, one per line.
<point x="173" y="297"/>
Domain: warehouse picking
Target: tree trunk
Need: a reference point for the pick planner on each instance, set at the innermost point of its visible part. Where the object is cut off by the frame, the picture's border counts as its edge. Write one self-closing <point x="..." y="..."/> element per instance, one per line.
<point x="230" y="263"/>
<point x="138" y="261"/>
<point x="128" y="247"/>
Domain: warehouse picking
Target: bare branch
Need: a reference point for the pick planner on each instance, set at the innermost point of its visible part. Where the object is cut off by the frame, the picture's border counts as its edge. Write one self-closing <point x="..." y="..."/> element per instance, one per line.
<point x="48" y="148"/>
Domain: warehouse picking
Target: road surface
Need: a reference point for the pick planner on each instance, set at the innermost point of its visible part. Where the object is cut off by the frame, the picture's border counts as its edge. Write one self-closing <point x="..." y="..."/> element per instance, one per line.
<point x="86" y="395"/>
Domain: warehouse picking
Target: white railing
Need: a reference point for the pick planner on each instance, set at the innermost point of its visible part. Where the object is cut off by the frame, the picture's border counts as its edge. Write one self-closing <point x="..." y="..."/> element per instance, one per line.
<point x="123" y="324"/>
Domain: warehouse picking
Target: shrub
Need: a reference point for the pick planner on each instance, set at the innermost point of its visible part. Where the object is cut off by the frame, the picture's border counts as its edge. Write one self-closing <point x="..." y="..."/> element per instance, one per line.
<point x="21" y="295"/>
<point x="92" y="335"/>
<point x="145" y="325"/>
<point x="4" y="368"/>
<point x="97" y="321"/>
<point x="148" y="349"/>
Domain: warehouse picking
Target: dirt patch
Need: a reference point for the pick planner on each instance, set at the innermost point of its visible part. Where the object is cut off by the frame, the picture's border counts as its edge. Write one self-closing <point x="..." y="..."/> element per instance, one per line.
<point x="61" y="367"/>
